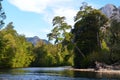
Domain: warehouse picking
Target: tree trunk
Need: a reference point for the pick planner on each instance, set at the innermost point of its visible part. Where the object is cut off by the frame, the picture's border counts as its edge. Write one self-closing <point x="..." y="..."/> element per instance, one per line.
<point x="98" y="41"/>
<point x="80" y="51"/>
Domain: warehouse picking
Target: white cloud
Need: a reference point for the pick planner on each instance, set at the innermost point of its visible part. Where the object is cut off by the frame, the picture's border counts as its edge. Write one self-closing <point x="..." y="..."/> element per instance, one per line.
<point x="50" y="8"/>
<point x="56" y="7"/>
<point x="69" y="13"/>
<point x="37" y="6"/>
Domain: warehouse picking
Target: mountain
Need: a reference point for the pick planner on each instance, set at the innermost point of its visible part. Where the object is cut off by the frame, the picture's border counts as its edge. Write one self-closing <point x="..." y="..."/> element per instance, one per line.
<point x="108" y="10"/>
<point x="35" y="39"/>
<point x="111" y="11"/>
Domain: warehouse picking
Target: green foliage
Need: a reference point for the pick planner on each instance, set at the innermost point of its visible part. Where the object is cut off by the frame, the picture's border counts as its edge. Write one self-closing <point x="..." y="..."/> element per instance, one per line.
<point x="51" y="55"/>
<point x="87" y="32"/>
<point x="16" y="52"/>
<point x="63" y="48"/>
<point x="101" y="56"/>
<point x="59" y="32"/>
<point x="113" y="40"/>
<point x="104" y="45"/>
<point x="90" y="40"/>
<point x="90" y="59"/>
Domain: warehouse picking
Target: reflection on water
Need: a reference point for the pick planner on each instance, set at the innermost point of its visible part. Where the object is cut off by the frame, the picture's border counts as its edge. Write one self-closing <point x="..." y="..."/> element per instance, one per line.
<point x="55" y="73"/>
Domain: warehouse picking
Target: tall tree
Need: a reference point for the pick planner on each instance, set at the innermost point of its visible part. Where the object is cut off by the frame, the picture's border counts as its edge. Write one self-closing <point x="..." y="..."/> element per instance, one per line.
<point x="59" y="32"/>
<point x="87" y="31"/>
<point x="2" y="15"/>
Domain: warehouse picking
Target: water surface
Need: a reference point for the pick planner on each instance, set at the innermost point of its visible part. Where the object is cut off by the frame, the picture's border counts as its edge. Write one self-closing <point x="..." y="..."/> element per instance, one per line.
<point x="53" y="73"/>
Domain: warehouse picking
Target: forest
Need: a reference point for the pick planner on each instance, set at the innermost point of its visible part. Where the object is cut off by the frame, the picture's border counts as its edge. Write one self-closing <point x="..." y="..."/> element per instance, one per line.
<point x="93" y="37"/>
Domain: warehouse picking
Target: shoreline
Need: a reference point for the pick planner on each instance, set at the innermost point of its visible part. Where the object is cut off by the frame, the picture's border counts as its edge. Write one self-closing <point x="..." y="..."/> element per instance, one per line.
<point x="98" y="71"/>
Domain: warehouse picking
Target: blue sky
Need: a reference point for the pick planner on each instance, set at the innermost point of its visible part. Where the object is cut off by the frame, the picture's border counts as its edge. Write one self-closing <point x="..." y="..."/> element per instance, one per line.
<point x="34" y="17"/>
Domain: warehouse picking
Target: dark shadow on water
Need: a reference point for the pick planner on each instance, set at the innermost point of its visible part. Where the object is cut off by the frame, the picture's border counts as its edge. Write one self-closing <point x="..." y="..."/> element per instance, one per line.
<point x="97" y="75"/>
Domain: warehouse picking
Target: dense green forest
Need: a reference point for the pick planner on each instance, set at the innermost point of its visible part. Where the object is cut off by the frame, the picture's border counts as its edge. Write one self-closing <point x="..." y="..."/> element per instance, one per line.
<point x="93" y="37"/>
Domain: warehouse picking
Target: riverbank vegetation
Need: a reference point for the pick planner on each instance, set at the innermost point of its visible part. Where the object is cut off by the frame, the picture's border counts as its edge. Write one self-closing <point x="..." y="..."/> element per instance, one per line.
<point x="93" y="37"/>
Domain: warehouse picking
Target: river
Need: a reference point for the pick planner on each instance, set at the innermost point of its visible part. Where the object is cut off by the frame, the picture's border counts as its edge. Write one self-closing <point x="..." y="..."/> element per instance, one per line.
<point x="53" y="73"/>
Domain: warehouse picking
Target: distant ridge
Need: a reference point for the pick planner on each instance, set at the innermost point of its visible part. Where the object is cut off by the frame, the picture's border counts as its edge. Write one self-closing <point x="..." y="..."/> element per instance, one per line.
<point x="36" y="39"/>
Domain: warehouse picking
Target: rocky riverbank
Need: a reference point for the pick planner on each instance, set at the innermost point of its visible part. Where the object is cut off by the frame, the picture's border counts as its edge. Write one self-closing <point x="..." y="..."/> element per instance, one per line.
<point x="102" y="67"/>
<point x="100" y="70"/>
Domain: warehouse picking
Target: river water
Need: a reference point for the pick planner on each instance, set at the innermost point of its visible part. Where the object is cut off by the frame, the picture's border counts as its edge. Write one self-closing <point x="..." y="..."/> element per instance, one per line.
<point x="53" y="73"/>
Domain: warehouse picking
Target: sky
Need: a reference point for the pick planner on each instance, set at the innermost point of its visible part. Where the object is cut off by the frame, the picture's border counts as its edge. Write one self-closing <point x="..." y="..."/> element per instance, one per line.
<point x="34" y="17"/>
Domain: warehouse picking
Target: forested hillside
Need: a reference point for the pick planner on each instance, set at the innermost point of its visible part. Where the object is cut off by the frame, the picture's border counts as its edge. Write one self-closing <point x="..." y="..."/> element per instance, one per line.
<point x="95" y="36"/>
